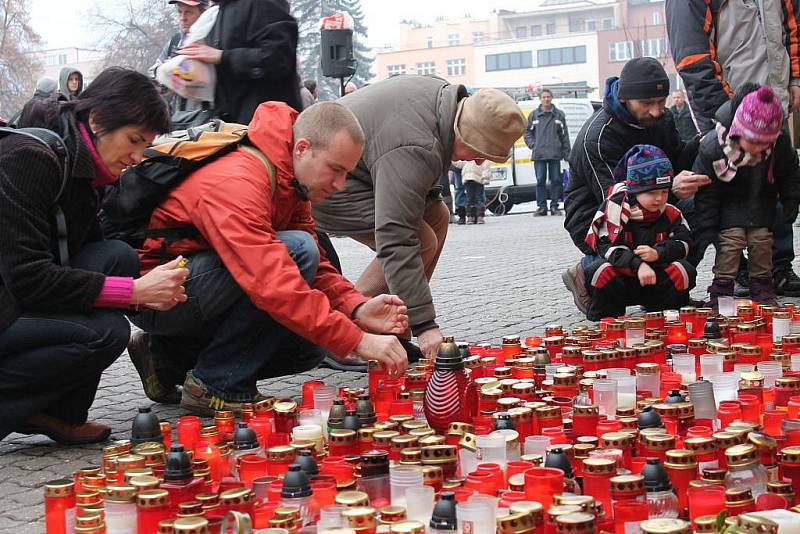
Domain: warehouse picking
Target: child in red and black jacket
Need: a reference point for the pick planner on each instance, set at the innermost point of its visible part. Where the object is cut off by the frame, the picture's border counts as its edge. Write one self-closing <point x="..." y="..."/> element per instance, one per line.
<point x="642" y="240"/>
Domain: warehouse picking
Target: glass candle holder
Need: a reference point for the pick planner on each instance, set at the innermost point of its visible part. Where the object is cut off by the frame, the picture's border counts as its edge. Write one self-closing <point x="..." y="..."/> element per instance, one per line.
<point x="626" y="392"/>
<point x="541" y="483"/>
<point x="702" y="396"/>
<point x="684" y="364"/>
<point x="711" y="364"/>
<point x="605" y="396"/>
<point x="705" y="500"/>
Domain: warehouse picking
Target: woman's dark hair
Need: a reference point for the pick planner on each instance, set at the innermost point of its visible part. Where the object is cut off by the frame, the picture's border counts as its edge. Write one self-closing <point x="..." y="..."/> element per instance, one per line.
<point x="120" y="97"/>
<point x="743" y="90"/>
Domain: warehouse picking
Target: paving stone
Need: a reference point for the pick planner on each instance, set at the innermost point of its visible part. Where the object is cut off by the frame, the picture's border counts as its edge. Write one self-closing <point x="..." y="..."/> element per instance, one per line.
<point x="497" y="279"/>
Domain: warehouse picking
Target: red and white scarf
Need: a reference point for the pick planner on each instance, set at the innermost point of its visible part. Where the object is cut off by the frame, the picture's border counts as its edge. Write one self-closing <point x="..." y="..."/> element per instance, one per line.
<point x="619" y="208"/>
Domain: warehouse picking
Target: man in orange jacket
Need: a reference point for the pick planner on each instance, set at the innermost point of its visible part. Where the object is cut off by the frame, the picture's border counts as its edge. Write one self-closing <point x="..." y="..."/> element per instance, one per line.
<point x="264" y="300"/>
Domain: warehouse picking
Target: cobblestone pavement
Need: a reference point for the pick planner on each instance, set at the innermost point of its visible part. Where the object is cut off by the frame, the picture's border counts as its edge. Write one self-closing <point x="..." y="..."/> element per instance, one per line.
<point x="497" y="279"/>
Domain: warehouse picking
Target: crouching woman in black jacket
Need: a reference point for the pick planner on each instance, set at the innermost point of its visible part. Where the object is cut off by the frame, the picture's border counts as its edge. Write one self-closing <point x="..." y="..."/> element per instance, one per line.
<point x="62" y="300"/>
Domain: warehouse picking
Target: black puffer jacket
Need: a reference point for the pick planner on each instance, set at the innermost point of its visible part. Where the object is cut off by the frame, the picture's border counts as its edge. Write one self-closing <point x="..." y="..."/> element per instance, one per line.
<point x="600" y="144"/>
<point x="258" y="39"/>
<point x="30" y="176"/>
<point x="749" y="200"/>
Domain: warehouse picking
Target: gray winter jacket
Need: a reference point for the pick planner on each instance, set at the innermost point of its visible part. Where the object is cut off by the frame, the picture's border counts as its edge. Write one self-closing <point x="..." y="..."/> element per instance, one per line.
<point x="547" y="135"/>
<point x="408" y="123"/>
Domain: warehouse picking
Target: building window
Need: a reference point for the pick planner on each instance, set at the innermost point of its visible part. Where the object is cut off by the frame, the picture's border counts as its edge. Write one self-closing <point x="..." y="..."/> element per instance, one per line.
<point x="477" y="37"/>
<point x="654" y="47"/>
<point x="453" y="39"/>
<point x="621" y="51"/>
<point x="536" y="30"/>
<point x="521" y="32"/>
<point x="426" y="68"/>
<point x="591" y="25"/>
<point x="562" y="56"/>
<point x="550" y="28"/>
<point x="509" y="61"/>
<point x="656" y="18"/>
<point x="456" y="67"/>
<point x="395" y="70"/>
<point x="430" y="41"/>
<point x="577" y="25"/>
<point x="608" y="24"/>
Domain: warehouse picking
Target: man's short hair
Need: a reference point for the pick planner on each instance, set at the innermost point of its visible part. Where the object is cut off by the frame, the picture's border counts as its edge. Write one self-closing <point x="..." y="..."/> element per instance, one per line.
<point x="545" y="90"/>
<point x="322" y="121"/>
<point x="310" y="84"/>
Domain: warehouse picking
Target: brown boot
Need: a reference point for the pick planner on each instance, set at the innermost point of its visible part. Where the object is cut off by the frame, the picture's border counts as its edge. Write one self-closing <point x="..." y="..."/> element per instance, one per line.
<point x="575" y="281"/>
<point x="472" y="218"/>
<point x="64" y="432"/>
<point x="481" y="214"/>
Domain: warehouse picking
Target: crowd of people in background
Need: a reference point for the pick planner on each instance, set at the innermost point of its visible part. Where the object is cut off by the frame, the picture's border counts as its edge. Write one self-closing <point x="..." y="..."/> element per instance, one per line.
<point x="236" y="279"/>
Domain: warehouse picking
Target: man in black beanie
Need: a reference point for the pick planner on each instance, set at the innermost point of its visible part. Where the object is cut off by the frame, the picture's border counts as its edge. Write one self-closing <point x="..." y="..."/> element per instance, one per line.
<point x="633" y="113"/>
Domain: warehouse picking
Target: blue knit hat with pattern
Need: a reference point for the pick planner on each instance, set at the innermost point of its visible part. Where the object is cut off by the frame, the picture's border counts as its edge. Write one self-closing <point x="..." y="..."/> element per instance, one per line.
<point x="644" y="168"/>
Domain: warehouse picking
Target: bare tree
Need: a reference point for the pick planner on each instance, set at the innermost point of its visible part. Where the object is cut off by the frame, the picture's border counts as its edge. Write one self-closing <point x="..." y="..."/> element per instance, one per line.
<point x="18" y="65"/>
<point x="134" y="32"/>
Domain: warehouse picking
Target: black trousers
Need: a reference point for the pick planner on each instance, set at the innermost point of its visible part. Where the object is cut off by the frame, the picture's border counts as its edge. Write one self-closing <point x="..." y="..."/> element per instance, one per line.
<point x="612" y="290"/>
<point x="51" y="363"/>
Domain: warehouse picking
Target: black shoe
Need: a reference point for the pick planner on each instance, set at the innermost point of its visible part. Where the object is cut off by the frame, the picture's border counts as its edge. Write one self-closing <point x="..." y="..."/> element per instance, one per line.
<point x="155" y="387"/>
<point x="541" y="212"/>
<point x="556" y="211"/>
<point x="786" y="283"/>
<point x="742" y="285"/>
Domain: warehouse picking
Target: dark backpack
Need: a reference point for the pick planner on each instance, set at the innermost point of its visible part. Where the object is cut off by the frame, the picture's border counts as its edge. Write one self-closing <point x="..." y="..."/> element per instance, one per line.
<point x="129" y="204"/>
<point x="58" y="145"/>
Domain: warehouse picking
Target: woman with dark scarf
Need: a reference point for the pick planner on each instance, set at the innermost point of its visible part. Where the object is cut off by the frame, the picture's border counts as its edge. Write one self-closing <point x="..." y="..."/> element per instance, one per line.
<point x="62" y="300"/>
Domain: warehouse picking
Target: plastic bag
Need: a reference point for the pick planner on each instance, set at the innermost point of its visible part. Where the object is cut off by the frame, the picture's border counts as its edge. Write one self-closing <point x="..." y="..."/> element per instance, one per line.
<point x="337" y="21"/>
<point x="192" y="79"/>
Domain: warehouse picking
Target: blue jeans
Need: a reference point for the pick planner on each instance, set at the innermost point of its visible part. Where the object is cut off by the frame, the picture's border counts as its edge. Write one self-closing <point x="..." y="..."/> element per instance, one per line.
<point x="476" y="196"/>
<point x="548" y="176"/>
<point x="782" y="238"/>
<point x="461" y="193"/>
<point x="229" y="342"/>
<point x="51" y="362"/>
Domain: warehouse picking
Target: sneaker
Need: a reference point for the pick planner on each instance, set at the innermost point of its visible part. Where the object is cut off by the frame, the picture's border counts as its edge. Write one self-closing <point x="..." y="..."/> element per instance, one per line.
<point x="787" y="283"/>
<point x="575" y="281"/>
<point x="541" y="212"/>
<point x="556" y="211"/>
<point x="154" y="386"/>
<point x="352" y="362"/>
<point x="196" y="399"/>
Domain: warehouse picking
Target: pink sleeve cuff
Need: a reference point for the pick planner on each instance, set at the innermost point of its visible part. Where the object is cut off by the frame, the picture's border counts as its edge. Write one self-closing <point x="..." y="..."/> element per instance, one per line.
<point x="116" y="293"/>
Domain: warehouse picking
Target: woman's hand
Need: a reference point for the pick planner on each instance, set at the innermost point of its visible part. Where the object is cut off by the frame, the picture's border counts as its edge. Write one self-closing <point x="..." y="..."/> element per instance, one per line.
<point x="161" y="288"/>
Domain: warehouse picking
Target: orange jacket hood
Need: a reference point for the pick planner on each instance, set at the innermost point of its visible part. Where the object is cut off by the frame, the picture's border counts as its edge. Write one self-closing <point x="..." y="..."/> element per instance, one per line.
<point x="271" y="132"/>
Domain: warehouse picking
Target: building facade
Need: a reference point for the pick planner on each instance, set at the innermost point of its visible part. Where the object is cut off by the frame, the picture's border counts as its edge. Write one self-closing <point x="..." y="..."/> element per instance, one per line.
<point x="567" y="45"/>
<point x="642" y="32"/>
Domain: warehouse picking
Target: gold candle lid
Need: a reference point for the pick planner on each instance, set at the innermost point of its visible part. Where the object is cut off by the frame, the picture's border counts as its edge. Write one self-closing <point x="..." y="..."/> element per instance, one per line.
<point x="59" y="488"/>
<point x="352" y="499"/>
<point x="702" y="445"/>
<point x="439" y="454"/>
<point x="281" y="453"/>
<point x="459" y="428"/>
<point x="575" y="522"/>
<point x="658" y="442"/>
<point x="120" y="494"/>
<point x="585" y="410"/>
<point x="741" y="455"/>
<point x="468" y="441"/>
<point x="360" y="518"/>
<point x="535" y="509"/>
<point x="735" y="496"/>
<point x="562" y="509"/>
<point x="89" y="523"/>
<point x="680" y="459"/>
<point x="190" y="509"/>
<point x="752" y="524"/>
<point x="648" y="368"/>
<point x="627" y="484"/>
<point x="705" y="524"/>
<point x="342" y="436"/>
<point x="408" y="527"/>
<point x="411" y="456"/>
<point x="285" y="406"/>
<point x="191" y="525"/>
<point x="153" y="498"/>
<point x="235" y="496"/>
<point x="664" y="526"/>
<point x="393" y="514"/>
<point x="599" y="466"/>
<point x="515" y="523"/>
<point x="165" y="526"/>
<point x="432" y="474"/>
<point x="616" y="440"/>
<point x="384" y="437"/>
<point x="431" y="440"/>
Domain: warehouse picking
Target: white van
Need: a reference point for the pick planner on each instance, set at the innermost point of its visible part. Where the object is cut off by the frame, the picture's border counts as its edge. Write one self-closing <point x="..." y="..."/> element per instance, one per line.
<point x="514" y="182"/>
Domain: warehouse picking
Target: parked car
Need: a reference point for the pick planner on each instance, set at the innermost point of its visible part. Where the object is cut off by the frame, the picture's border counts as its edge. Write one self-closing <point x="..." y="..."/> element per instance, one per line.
<point x="514" y="182"/>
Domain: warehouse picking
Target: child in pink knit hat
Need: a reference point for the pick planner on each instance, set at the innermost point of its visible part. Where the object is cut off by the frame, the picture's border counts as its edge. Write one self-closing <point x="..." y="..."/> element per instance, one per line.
<point x="752" y="163"/>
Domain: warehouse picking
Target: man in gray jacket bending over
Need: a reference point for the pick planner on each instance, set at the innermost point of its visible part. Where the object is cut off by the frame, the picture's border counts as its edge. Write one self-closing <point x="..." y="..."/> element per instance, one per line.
<point x="415" y="126"/>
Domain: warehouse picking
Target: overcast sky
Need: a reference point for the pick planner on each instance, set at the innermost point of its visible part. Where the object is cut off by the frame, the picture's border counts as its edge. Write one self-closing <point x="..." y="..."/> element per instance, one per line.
<point x="62" y="27"/>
